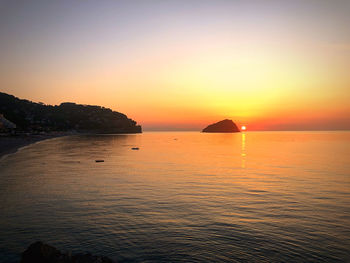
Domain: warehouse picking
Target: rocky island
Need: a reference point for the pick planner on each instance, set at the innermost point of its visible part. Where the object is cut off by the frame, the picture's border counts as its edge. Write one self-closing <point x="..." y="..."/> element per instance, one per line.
<point x="222" y="126"/>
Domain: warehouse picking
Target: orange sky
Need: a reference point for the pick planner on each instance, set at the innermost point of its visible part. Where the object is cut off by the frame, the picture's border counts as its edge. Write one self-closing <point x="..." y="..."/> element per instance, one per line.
<point x="270" y="65"/>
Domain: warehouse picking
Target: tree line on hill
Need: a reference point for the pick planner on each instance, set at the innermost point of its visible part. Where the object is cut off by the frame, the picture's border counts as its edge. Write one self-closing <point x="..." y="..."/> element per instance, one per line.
<point x="38" y="117"/>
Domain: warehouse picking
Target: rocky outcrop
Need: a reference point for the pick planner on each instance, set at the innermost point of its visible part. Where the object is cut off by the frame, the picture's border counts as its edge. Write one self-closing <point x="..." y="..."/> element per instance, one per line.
<point x="222" y="126"/>
<point x="39" y="252"/>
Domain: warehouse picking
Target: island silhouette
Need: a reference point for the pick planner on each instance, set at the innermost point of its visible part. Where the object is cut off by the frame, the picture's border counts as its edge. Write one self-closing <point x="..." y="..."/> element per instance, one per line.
<point x="222" y="126"/>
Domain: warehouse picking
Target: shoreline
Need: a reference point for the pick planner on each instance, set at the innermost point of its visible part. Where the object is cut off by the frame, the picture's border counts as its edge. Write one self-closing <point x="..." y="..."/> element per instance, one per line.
<point x="10" y="144"/>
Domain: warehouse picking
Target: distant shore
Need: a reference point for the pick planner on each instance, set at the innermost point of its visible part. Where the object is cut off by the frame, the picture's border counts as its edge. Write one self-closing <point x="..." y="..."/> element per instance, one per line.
<point x="11" y="143"/>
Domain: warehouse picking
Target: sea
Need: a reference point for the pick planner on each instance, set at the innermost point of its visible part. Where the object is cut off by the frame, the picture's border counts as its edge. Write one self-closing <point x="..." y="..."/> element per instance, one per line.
<point x="181" y="197"/>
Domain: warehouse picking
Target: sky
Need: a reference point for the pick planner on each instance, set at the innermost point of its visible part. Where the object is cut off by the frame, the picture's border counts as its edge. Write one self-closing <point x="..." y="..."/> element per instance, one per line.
<point x="181" y="65"/>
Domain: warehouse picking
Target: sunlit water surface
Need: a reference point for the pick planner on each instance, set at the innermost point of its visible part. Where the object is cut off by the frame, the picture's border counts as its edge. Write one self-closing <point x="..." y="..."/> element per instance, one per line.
<point x="182" y="197"/>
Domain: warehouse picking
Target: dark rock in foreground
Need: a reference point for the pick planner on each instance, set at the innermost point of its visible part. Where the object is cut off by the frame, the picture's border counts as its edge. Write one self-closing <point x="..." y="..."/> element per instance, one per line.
<point x="222" y="126"/>
<point x="39" y="252"/>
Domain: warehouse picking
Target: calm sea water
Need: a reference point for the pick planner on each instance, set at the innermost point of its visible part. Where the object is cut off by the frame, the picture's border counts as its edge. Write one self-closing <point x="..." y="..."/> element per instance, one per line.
<point x="182" y="197"/>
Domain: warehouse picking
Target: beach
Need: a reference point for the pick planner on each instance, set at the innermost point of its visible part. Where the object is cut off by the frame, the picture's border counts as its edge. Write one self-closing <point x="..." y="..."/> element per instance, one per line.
<point x="11" y="143"/>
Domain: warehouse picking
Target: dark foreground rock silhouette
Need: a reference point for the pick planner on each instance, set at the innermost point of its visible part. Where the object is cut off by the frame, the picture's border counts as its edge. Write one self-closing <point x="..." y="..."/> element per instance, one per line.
<point x="222" y="126"/>
<point x="39" y="252"/>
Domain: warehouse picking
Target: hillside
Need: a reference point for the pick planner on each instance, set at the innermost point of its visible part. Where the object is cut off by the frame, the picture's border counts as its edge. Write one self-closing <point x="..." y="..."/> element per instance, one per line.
<point x="33" y="117"/>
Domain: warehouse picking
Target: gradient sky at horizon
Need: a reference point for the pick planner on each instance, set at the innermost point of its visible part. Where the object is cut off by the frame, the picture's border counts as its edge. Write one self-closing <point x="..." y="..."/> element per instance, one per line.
<point x="270" y="65"/>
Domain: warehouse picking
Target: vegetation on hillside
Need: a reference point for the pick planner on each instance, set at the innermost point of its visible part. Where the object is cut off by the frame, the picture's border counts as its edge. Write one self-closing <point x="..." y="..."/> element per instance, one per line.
<point x="30" y="116"/>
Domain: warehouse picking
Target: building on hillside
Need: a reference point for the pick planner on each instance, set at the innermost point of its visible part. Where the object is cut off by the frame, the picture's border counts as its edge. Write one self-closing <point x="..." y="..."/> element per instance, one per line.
<point x="6" y="125"/>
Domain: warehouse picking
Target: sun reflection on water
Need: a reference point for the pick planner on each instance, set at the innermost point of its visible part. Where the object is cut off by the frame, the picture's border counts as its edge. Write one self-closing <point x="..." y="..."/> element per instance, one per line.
<point x="243" y="154"/>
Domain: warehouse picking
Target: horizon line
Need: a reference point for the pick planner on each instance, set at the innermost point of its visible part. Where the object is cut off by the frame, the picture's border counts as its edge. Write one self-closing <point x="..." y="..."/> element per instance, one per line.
<point x="316" y="130"/>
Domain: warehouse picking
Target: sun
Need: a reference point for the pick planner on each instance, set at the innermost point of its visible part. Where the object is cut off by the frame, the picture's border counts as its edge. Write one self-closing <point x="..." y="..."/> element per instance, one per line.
<point x="243" y="128"/>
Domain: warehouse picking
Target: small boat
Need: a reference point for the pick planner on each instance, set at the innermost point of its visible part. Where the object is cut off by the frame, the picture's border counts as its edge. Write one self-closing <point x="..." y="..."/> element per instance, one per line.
<point x="99" y="161"/>
<point x="135" y="148"/>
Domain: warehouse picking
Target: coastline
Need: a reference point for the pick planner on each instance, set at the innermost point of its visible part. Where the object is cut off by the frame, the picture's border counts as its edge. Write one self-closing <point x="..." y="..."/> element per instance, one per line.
<point x="12" y="143"/>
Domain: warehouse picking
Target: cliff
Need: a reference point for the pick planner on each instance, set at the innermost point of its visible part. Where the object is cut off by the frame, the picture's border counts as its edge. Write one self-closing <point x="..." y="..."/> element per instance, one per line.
<point x="222" y="126"/>
<point x="33" y="117"/>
